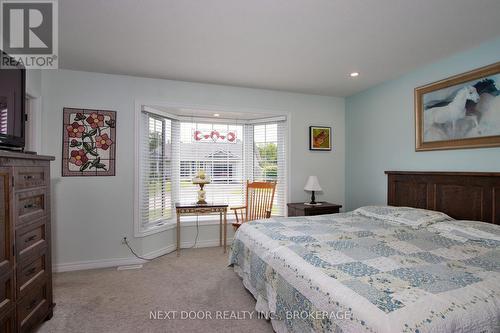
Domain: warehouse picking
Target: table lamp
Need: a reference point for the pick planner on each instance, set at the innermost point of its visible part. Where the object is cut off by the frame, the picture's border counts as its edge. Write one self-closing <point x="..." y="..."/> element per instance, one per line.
<point x="312" y="185"/>
<point x="201" y="179"/>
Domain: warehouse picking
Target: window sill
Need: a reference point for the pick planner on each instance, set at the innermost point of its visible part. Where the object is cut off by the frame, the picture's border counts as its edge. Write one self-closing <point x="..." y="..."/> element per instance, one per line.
<point x="188" y="221"/>
<point x="155" y="229"/>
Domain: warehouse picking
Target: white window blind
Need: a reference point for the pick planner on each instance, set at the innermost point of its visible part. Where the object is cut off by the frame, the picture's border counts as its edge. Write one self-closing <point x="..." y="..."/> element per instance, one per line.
<point x="156" y="204"/>
<point x="172" y="152"/>
<point x="217" y="149"/>
<point x="269" y="160"/>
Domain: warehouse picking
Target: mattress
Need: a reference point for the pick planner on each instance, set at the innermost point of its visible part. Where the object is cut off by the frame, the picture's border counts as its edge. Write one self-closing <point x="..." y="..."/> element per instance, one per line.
<point x="357" y="273"/>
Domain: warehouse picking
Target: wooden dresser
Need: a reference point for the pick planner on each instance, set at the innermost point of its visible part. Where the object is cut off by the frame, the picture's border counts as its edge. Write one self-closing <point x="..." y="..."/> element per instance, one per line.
<point x="25" y="258"/>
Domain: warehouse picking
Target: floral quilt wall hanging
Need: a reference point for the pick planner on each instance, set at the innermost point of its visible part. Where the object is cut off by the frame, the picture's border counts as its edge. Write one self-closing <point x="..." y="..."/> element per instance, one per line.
<point x="89" y="142"/>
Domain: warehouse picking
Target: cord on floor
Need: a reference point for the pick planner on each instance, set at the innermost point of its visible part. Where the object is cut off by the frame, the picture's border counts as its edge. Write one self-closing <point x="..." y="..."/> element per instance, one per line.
<point x="197" y="232"/>
<point x="125" y="241"/>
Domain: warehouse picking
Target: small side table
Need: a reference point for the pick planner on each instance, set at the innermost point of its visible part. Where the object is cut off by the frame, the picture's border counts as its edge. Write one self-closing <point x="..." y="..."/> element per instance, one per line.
<point x="208" y="209"/>
<point x="301" y="209"/>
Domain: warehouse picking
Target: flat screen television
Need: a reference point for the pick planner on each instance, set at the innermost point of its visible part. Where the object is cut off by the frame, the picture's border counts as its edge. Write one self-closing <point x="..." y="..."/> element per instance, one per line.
<point x="12" y="105"/>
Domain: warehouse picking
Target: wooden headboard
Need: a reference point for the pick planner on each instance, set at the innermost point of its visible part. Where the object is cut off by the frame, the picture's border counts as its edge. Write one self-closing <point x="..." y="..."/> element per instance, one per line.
<point x="461" y="195"/>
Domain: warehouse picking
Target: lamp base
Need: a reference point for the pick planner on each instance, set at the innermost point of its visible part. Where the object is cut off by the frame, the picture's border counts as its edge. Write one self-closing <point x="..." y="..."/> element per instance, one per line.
<point x="201" y="195"/>
<point x="313" y="199"/>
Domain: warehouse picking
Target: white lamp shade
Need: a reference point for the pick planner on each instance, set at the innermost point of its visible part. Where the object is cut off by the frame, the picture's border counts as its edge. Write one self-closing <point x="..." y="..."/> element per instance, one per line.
<point x="312" y="184"/>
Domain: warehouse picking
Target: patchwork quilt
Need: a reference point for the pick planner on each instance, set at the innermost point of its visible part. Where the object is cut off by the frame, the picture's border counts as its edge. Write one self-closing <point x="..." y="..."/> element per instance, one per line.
<point x="357" y="273"/>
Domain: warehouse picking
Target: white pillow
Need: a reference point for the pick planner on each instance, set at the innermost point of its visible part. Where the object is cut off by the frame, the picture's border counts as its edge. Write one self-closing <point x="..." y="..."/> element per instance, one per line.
<point x="413" y="217"/>
<point x="464" y="230"/>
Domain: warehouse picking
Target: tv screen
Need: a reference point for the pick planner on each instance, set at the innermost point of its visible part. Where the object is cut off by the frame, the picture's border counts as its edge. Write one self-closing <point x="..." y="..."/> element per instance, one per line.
<point x="12" y="105"/>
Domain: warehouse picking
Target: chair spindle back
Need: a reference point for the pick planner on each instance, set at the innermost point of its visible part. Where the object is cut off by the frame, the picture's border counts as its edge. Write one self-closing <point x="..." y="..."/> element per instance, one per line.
<point x="259" y="199"/>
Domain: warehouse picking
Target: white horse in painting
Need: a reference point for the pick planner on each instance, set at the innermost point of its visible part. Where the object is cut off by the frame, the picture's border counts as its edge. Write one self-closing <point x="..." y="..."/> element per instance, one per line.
<point x="452" y="112"/>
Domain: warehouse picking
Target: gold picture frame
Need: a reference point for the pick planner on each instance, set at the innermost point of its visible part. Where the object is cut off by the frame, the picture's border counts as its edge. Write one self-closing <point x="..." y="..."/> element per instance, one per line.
<point x="462" y="111"/>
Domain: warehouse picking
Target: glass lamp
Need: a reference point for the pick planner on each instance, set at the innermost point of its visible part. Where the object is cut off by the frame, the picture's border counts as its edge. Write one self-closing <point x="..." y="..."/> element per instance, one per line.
<point x="201" y="179"/>
<point x="312" y="186"/>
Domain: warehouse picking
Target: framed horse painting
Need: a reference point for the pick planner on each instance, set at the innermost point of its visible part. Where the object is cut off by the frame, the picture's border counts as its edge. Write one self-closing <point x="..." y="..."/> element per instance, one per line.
<point x="462" y="111"/>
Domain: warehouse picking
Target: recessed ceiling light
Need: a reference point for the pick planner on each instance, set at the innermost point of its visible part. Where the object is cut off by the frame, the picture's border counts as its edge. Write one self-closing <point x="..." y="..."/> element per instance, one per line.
<point x="354" y="74"/>
<point x="216" y="115"/>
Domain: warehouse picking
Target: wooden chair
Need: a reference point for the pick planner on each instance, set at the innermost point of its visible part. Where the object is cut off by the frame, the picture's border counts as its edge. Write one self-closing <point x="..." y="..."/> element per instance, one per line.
<point x="258" y="203"/>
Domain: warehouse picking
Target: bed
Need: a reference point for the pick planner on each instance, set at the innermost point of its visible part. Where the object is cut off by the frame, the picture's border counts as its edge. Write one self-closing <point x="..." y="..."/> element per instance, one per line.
<point x="429" y="262"/>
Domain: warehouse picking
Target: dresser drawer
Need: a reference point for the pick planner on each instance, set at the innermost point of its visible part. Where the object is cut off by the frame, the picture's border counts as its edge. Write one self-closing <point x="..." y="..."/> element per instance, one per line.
<point x="8" y="322"/>
<point x="302" y="209"/>
<point x="6" y="293"/>
<point x="30" y="177"/>
<point x="33" y="308"/>
<point x="31" y="239"/>
<point x="31" y="205"/>
<point x="321" y="211"/>
<point x="31" y="272"/>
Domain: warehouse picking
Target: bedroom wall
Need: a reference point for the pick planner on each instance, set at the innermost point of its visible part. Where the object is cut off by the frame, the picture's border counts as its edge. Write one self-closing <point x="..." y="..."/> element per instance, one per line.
<point x="380" y="130"/>
<point x="34" y="82"/>
<point x="91" y="215"/>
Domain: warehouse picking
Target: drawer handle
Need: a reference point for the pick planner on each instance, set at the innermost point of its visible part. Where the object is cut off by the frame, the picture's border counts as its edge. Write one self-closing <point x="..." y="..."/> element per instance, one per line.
<point x="30" y="205"/>
<point x="30" y="271"/>
<point x="28" y="177"/>
<point x="32" y="305"/>
<point x="30" y="238"/>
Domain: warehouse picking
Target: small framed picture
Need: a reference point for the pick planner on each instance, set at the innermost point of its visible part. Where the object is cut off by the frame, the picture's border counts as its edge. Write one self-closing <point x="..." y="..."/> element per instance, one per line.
<point x="320" y="138"/>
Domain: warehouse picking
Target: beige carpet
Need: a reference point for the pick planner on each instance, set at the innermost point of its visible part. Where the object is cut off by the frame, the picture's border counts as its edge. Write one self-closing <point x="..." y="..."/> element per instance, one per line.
<point x="107" y="300"/>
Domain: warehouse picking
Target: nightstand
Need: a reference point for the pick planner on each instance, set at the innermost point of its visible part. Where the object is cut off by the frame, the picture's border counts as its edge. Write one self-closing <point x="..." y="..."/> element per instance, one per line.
<point x="301" y="209"/>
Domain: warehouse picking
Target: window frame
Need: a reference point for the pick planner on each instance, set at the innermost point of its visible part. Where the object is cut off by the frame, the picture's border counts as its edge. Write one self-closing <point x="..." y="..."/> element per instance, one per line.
<point x="254" y="168"/>
<point x="139" y="228"/>
<point x="267" y="117"/>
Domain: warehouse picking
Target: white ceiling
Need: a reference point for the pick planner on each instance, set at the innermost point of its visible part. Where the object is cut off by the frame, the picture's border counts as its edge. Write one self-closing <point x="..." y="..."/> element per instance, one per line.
<point x="307" y="46"/>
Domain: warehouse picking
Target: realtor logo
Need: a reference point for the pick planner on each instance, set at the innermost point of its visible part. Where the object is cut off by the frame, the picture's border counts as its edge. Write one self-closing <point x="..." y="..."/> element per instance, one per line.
<point x="29" y="33"/>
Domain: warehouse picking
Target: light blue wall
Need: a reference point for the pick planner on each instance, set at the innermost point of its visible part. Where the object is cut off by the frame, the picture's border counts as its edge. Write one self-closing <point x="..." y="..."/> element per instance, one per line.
<point x="91" y="215"/>
<point x="34" y="82"/>
<point x="380" y="131"/>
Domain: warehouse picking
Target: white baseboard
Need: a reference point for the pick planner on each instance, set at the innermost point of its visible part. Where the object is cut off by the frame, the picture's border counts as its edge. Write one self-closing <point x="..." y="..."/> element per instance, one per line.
<point x="93" y="264"/>
<point x="106" y="263"/>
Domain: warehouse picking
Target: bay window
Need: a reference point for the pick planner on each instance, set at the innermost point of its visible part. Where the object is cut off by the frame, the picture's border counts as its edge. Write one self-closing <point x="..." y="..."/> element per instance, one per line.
<point x="269" y="160"/>
<point x="173" y="149"/>
<point x="156" y="170"/>
<point x="217" y="149"/>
